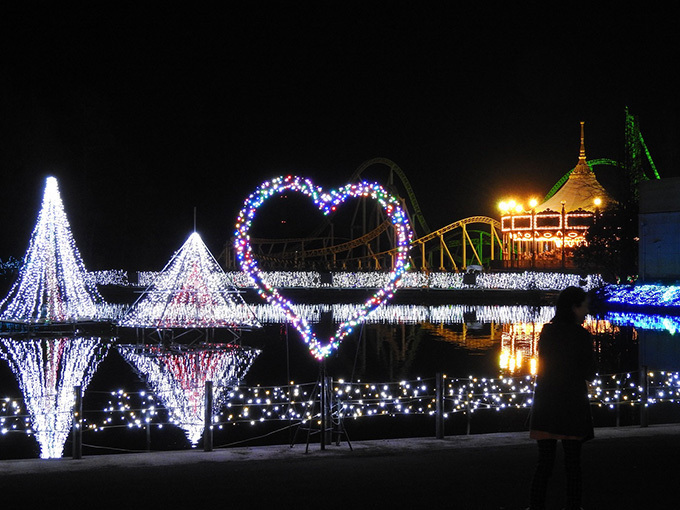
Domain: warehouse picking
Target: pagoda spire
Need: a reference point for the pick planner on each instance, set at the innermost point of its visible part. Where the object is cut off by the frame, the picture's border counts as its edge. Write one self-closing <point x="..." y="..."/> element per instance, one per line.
<point x="582" y="166"/>
<point x="582" y="151"/>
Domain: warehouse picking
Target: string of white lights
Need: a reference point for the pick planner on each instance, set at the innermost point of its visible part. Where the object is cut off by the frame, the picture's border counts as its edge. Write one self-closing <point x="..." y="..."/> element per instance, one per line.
<point x="53" y="284"/>
<point x="178" y="377"/>
<point x="47" y="372"/>
<point x="527" y="280"/>
<point x="190" y="292"/>
<point x="299" y="402"/>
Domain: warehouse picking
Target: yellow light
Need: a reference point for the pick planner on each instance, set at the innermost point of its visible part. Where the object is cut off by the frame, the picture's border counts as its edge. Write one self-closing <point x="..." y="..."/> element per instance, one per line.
<point x="533" y="366"/>
<point x="597" y="202"/>
<point x="533" y="203"/>
<point x="518" y="208"/>
<point x="503" y="206"/>
<point x="512" y="204"/>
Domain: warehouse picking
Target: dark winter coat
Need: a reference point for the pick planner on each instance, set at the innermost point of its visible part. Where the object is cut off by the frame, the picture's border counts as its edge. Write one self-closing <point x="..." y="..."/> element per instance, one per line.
<point x="565" y="363"/>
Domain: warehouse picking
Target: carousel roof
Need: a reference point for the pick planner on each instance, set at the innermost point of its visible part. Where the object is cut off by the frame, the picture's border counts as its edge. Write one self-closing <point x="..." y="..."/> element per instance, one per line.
<point x="580" y="190"/>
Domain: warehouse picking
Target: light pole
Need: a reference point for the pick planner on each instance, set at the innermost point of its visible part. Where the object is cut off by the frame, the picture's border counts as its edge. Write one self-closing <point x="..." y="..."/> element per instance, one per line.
<point x="564" y="234"/>
<point x="533" y="203"/>
<point x="597" y="202"/>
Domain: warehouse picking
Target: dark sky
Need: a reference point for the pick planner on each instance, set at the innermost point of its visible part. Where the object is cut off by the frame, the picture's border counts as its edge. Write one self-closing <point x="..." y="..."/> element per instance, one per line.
<point x="143" y="114"/>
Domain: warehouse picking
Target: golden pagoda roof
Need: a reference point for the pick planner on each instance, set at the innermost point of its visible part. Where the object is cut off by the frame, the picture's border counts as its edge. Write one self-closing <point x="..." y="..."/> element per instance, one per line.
<point x="580" y="190"/>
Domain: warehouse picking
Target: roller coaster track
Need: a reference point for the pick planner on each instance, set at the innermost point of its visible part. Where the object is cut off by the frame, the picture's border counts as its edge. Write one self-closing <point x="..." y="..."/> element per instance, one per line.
<point x="329" y="250"/>
<point x="635" y="144"/>
<point x="417" y="212"/>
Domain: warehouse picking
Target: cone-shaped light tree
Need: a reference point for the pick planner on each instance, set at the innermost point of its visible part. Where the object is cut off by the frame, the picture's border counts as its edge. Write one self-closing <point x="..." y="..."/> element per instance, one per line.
<point x="177" y="375"/>
<point x="47" y="371"/>
<point x="53" y="285"/>
<point x="192" y="291"/>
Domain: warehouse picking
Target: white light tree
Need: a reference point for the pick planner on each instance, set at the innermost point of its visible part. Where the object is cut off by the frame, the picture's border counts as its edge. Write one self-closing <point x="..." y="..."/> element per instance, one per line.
<point x="47" y="371"/>
<point x="52" y="285"/>
<point x="192" y="291"/>
<point x="177" y="376"/>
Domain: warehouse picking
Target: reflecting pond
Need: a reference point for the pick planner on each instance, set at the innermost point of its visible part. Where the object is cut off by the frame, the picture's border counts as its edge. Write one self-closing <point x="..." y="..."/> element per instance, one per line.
<point x="129" y="381"/>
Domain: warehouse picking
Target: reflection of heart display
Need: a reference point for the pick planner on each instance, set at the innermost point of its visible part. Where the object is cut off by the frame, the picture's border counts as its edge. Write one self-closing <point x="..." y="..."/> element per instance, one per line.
<point x="327" y="202"/>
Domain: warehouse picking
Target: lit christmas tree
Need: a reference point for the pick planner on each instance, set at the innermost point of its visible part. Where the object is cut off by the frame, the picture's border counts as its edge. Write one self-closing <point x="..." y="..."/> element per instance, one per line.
<point x="53" y="285"/>
<point x="177" y="375"/>
<point x="192" y="291"/>
<point x="47" y="371"/>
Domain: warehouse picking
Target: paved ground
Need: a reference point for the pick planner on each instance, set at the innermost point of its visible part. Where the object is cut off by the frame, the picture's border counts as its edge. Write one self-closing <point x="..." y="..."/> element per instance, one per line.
<point x="624" y="468"/>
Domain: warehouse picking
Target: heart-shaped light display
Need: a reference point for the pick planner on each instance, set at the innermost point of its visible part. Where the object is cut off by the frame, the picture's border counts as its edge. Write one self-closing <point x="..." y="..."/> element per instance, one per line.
<point x="327" y="202"/>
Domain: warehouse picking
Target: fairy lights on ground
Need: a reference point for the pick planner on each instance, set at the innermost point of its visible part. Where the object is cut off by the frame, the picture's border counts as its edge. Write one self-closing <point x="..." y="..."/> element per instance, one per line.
<point x="190" y="292"/>
<point x="177" y="377"/>
<point x="327" y="202"/>
<point x="109" y="277"/>
<point x="252" y="405"/>
<point x="47" y="372"/>
<point x="644" y="295"/>
<point x="53" y="284"/>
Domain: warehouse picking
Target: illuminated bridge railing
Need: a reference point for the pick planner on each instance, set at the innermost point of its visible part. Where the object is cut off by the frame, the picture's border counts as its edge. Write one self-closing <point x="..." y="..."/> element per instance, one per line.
<point x="298" y="404"/>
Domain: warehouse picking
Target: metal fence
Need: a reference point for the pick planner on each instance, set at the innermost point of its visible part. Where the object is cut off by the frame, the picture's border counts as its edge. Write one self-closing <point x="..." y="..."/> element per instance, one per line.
<point x="316" y="407"/>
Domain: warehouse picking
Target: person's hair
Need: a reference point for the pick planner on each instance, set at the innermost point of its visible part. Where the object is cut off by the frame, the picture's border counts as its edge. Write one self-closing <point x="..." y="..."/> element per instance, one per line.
<point x="568" y="298"/>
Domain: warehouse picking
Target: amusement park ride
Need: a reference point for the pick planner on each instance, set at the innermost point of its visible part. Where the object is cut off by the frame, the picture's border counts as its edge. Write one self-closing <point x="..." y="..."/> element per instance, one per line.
<point x="193" y="293"/>
<point x="525" y="237"/>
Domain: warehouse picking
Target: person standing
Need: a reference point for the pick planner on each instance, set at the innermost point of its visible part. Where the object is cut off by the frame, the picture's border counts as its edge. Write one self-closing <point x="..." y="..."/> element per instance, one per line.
<point x="561" y="407"/>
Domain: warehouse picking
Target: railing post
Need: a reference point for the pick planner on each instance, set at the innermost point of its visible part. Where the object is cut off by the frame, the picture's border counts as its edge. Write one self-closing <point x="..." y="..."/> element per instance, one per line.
<point x="439" y="406"/>
<point x="644" y="384"/>
<point x="77" y="423"/>
<point x="208" y="416"/>
<point x="468" y="395"/>
<point x="618" y="402"/>
<point x="329" y="409"/>
<point x="322" y="406"/>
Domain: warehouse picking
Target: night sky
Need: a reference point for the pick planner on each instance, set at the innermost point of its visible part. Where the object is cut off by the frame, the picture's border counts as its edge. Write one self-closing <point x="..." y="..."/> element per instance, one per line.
<point x="145" y="113"/>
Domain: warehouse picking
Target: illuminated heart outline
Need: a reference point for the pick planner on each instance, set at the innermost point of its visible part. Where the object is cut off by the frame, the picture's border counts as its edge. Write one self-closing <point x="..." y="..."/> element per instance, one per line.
<point x="326" y="202"/>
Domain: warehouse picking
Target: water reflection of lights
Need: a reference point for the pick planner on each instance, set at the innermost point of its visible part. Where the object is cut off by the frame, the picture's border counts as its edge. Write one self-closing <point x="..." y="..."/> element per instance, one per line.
<point x="177" y="376"/>
<point x="644" y="321"/>
<point x="519" y="344"/>
<point x="411" y="314"/>
<point x="47" y="371"/>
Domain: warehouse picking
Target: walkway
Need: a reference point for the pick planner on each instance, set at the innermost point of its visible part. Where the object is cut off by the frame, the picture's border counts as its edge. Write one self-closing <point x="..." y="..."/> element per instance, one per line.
<point x="624" y="468"/>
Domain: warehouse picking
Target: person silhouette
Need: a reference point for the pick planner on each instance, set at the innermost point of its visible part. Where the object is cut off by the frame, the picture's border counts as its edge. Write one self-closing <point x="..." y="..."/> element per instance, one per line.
<point x="561" y="407"/>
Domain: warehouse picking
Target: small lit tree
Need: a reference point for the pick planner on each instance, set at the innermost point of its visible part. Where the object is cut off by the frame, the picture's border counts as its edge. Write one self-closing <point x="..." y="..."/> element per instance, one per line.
<point x="52" y="285"/>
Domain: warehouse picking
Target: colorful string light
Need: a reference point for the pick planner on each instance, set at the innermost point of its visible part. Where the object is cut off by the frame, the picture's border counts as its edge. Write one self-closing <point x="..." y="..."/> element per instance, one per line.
<point x="327" y="202"/>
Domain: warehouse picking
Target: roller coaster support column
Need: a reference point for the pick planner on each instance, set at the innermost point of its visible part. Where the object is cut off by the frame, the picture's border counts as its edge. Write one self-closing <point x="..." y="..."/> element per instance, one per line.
<point x="423" y="266"/>
<point x="441" y="252"/>
<point x="465" y="237"/>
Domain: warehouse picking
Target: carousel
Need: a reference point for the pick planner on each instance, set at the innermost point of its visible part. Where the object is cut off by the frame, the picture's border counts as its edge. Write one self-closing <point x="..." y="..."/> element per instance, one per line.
<point x="545" y="234"/>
